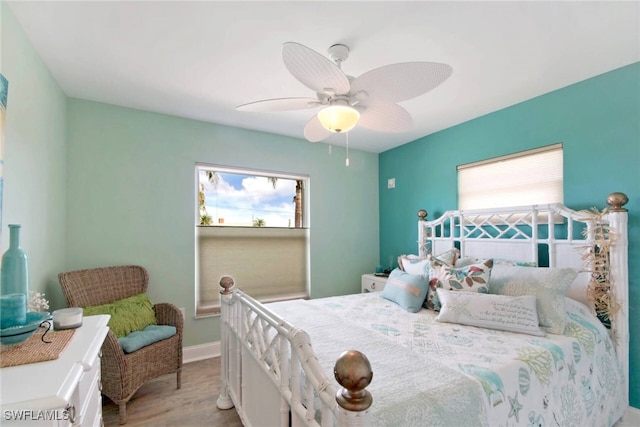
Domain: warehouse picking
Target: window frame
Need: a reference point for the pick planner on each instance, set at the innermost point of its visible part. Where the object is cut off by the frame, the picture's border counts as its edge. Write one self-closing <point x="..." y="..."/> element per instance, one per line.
<point x="211" y="307"/>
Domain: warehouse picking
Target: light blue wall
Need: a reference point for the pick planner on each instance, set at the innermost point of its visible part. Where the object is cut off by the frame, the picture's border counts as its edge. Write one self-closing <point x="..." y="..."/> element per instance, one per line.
<point x="598" y="122"/>
<point x="96" y="185"/>
<point x="34" y="158"/>
<point x="131" y="199"/>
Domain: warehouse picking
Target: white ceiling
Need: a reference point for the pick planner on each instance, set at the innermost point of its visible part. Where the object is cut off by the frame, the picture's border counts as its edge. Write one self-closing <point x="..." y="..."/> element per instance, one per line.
<point x="201" y="59"/>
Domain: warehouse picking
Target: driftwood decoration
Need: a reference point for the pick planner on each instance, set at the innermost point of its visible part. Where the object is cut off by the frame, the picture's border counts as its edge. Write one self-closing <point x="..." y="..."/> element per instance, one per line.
<point x="601" y="289"/>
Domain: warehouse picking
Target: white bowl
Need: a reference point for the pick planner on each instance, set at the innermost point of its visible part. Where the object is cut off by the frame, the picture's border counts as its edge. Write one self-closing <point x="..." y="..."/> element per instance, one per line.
<point x="67" y="318"/>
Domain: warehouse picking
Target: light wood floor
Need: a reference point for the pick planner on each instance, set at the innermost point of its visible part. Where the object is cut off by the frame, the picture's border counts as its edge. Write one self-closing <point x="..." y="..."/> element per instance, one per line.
<point x="158" y="403"/>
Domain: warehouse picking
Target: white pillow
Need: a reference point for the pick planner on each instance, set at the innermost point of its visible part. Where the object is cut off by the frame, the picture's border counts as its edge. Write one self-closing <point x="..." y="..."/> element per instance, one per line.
<point x="578" y="289"/>
<point x="548" y="285"/>
<point x="504" y="313"/>
<point x="415" y="265"/>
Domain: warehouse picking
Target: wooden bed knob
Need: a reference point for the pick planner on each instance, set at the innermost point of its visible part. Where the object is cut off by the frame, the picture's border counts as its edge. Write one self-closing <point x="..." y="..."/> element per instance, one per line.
<point x="353" y="372"/>
<point x="226" y="282"/>
<point x="616" y="201"/>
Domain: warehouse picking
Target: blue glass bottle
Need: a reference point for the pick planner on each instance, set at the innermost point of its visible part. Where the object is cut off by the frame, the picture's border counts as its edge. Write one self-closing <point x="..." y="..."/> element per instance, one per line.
<point x="14" y="277"/>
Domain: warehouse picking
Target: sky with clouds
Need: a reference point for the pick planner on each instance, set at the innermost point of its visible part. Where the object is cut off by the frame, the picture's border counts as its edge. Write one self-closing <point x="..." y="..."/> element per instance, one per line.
<point x="241" y="199"/>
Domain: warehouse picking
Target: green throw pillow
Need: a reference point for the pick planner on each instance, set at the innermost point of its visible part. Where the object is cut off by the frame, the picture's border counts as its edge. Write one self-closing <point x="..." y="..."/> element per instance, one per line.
<point x="127" y="315"/>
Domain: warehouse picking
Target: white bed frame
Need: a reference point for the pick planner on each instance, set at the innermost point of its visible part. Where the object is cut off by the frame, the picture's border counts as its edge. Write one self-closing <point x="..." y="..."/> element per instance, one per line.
<point x="262" y="355"/>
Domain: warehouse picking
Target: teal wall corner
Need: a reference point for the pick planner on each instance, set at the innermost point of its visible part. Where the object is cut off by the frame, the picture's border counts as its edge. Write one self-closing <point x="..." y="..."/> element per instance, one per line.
<point x="597" y="121"/>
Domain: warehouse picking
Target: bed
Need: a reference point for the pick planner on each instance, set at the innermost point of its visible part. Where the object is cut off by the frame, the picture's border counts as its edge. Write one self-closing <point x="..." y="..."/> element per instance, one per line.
<point x="515" y="344"/>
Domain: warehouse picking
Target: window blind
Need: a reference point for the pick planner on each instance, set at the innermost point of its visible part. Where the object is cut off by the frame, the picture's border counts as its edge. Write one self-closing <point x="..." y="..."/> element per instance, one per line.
<point x="525" y="178"/>
<point x="266" y="263"/>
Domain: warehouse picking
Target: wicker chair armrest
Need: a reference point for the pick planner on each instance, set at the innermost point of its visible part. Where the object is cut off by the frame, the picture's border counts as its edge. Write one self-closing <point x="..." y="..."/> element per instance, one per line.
<point x="169" y="314"/>
<point x="112" y="352"/>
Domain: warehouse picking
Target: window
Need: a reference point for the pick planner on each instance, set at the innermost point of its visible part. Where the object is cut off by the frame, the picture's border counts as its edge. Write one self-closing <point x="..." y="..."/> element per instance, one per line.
<point x="526" y="178"/>
<point x="250" y="225"/>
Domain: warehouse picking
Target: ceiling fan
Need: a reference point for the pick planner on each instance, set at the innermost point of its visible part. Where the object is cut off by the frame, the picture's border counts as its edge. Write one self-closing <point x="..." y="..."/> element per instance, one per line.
<point x="369" y="100"/>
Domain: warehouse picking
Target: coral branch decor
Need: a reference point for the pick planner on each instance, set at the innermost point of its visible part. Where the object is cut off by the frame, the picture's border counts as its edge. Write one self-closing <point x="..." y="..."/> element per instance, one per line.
<point x="600" y="289"/>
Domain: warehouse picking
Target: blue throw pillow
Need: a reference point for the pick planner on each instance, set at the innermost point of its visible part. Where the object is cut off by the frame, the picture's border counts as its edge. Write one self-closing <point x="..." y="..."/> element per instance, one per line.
<point x="152" y="333"/>
<point x="407" y="290"/>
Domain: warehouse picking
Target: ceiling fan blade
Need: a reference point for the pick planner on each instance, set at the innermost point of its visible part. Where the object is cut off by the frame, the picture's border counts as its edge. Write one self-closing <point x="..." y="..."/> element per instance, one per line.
<point x="314" y="131"/>
<point x="384" y="117"/>
<point x="280" y="104"/>
<point x="314" y="70"/>
<point x="402" y="81"/>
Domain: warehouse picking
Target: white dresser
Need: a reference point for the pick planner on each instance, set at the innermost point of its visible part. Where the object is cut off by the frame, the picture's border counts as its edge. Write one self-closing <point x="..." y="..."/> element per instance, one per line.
<point x="61" y="392"/>
<point x="373" y="283"/>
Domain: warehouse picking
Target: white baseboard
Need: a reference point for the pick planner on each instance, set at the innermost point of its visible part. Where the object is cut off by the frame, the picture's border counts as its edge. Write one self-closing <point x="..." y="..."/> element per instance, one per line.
<point x="200" y="352"/>
<point x="630" y="418"/>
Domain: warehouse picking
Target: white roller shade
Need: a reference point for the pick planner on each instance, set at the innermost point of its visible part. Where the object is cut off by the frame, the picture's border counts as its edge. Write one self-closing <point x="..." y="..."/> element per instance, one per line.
<point x="526" y="178"/>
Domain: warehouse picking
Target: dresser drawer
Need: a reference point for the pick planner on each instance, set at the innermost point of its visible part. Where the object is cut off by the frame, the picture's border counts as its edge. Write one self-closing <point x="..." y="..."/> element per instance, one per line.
<point x="373" y="283"/>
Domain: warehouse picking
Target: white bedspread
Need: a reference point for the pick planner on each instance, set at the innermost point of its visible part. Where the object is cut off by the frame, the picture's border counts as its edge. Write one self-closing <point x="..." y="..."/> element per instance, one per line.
<point x="436" y="374"/>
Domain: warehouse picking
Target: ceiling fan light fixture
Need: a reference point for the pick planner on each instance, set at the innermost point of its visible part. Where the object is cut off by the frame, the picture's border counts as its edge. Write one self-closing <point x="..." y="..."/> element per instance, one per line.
<point x="338" y="118"/>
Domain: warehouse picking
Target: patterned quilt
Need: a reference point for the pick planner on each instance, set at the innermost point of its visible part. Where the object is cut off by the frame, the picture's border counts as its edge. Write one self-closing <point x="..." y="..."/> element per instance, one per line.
<point x="428" y="373"/>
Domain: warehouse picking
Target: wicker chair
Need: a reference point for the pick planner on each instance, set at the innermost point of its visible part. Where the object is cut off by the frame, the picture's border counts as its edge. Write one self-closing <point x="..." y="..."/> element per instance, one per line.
<point x="123" y="374"/>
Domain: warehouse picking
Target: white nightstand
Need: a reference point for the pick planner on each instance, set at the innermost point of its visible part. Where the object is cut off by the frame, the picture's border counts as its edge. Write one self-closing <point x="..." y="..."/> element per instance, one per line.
<point x="373" y="283"/>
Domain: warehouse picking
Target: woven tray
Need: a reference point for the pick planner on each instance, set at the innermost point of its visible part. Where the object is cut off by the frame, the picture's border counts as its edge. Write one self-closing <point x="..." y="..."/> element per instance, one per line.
<point x="34" y="349"/>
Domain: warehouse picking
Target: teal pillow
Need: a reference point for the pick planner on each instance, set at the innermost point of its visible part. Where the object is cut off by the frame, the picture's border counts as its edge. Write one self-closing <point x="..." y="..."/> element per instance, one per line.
<point x="127" y="315"/>
<point x="407" y="290"/>
<point x="152" y="333"/>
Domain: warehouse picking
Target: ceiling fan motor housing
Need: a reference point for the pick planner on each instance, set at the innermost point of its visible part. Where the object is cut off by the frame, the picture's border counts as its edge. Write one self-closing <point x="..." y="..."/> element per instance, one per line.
<point x="338" y="53"/>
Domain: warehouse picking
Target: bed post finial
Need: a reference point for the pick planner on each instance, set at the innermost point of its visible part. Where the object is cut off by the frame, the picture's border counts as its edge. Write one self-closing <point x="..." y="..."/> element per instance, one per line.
<point x="226" y="282"/>
<point x="353" y="372"/>
<point x="422" y="215"/>
<point x="616" y="201"/>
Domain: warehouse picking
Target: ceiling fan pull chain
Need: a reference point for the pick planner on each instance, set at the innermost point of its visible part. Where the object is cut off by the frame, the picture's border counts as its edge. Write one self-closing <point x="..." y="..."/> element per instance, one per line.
<point x="347" y="137"/>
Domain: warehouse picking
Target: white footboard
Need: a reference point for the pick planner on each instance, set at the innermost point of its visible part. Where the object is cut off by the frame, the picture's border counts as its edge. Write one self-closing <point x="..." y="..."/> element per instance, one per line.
<point x="273" y="378"/>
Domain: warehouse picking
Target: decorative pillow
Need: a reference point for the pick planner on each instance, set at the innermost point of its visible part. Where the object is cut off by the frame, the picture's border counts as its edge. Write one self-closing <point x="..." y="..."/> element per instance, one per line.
<point x="414" y="264"/>
<point x="448" y="257"/>
<point x="578" y="288"/>
<point x="548" y="285"/>
<point x="127" y="315"/>
<point x="468" y="260"/>
<point x="473" y="278"/>
<point x="504" y="313"/>
<point x="406" y="290"/>
<point x="152" y="333"/>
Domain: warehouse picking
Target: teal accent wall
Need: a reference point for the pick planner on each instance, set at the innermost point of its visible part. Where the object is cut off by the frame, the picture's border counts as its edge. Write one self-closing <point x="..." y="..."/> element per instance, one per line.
<point x="598" y="122"/>
<point x="34" y="158"/>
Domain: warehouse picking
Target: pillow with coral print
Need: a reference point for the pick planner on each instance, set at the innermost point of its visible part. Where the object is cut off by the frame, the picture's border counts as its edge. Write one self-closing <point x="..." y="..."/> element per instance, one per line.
<point x="548" y="284"/>
<point x="471" y="278"/>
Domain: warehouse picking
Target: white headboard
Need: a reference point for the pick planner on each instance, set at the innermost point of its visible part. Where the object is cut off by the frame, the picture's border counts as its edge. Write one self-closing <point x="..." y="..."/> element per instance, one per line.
<point x="550" y="235"/>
